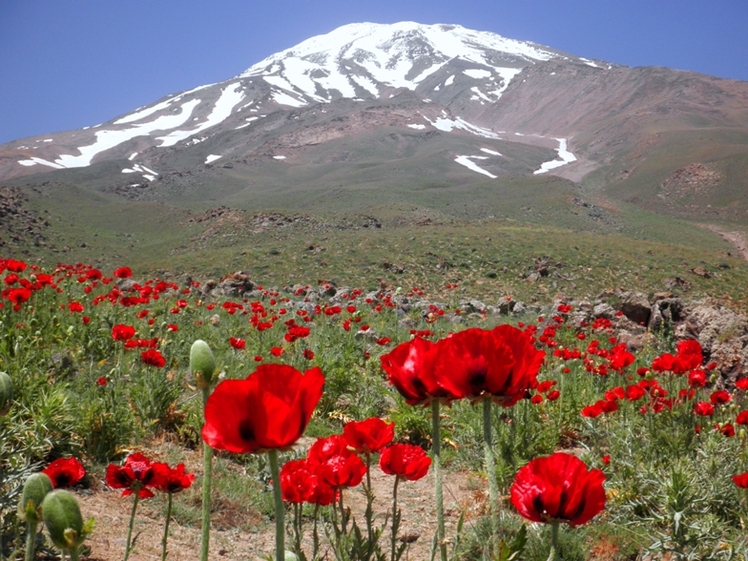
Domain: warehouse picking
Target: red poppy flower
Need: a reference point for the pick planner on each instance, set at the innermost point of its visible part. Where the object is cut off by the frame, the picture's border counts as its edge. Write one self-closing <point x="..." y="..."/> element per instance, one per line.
<point x="276" y="351"/>
<point x="65" y="472"/>
<point x="727" y="429"/>
<point x="558" y="487"/>
<point x="123" y="272"/>
<point x="620" y="357"/>
<point x="172" y="480"/>
<point x="697" y="378"/>
<point x="703" y="408"/>
<point x="300" y="483"/>
<point x="369" y="435"/>
<point x="152" y="357"/>
<point x="406" y="461"/>
<point x="689" y="356"/>
<point x="18" y="295"/>
<point x="309" y="354"/>
<point x="102" y="381"/>
<point x="238" y="344"/>
<point x="15" y="266"/>
<point x="410" y="368"/>
<point x="741" y="480"/>
<point x="122" y="332"/>
<point x="269" y="409"/>
<point x="742" y="384"/>
<point x="720" y="397"/>
<point x="742" y="418"/>
<point x="502" y="362"/>
<point x="337" y="465"/>
<point x="136" y="475"/>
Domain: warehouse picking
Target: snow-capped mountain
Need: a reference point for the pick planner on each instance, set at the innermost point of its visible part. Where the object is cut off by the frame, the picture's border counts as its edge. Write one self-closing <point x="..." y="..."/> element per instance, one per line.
<point x="497" y="106"/>
<point x="361" y="62"/>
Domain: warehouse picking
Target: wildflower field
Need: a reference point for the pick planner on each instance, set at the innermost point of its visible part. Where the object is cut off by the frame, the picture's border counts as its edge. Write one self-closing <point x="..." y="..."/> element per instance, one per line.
<point x="582" y="447"/>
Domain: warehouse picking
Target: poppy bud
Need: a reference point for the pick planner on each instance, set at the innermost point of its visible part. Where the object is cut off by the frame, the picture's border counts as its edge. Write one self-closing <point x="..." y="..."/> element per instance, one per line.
<point x="34" y="490"/>
<point x="62" y="517"/>
<point x="202" y="363"/>
<point x="6" y="393"/>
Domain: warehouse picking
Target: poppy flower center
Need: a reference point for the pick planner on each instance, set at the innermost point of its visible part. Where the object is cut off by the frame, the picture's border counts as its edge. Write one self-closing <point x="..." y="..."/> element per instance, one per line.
<point x="63" y="480"/>
<point x="246" y="431"/>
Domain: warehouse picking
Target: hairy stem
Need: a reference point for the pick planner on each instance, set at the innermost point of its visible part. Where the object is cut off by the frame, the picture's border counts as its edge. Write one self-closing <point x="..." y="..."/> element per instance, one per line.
<point x="280" y="529"/>
<point x="207" y="477"/>
<point x="436" y="459"/>
<point x="493" y="488"/>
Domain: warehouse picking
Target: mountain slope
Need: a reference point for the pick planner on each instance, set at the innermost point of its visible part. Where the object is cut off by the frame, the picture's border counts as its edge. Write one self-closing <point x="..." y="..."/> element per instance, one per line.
<point x="439" y="120"/>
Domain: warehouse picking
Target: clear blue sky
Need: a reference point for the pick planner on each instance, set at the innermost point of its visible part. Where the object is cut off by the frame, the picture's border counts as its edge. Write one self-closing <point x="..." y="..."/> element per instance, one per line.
<point x="66" y="64"/>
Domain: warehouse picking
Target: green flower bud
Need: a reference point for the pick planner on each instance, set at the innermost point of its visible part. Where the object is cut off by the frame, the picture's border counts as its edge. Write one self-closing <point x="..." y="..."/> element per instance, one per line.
<point x="202" y="363"/>
<point x="37" y="486"/>
<point x="62" y="517"/>
<point x="6" y="393"/>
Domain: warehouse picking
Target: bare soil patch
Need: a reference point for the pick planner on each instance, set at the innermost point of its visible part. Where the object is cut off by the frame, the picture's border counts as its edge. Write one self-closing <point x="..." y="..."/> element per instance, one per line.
<point x="230" y="539"/>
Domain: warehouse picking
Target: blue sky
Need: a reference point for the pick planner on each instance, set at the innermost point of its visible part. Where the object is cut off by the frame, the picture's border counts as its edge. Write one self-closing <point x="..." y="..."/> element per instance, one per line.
<point x="66" y="64"/>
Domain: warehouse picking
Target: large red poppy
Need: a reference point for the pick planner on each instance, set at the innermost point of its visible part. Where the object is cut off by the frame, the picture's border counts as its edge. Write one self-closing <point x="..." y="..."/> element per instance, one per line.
<point x="502" y="362"/>
<point x="172" y="480"/>
<point x="269" y="409"/>
<point x="410" y="368"/>
<point x="136" y="475"/>
<point x="406" y="461"/>
<point x="65" y="472"/>
<point x="369" y="435"/>
<point x="301" y="483"/>
<point x="558" y="487"/>
<point x="337" y="465"/>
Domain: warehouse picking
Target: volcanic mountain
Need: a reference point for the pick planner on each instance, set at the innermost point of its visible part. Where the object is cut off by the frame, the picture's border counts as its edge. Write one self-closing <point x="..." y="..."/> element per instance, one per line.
<point x="374" y="114"/>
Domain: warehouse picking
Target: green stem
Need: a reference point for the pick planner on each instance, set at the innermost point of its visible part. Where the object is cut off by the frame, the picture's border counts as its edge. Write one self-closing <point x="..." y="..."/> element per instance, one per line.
<point x="166" y="529"/>
<point x="369" y="500"/>
<point x="298" y="533"/>
<point x="280" y="529"/>
<point x="207" y="481"/>
<point x="493" y="488"/>
<point x="315" y="536"/>
<point x="73" y="554"/>
<point x="436" y="459"/>
<point x="343" y="517"/>
<point x="128" y="546"/>
<point x="395" y="521"/>
<point x="30" y="541"/>
<point x="554" y="541"/>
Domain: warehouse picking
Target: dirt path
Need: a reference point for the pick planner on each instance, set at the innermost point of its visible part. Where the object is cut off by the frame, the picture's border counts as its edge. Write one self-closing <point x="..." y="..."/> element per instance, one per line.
<point x="738" y="239"/>
<point x="416" y="500"/>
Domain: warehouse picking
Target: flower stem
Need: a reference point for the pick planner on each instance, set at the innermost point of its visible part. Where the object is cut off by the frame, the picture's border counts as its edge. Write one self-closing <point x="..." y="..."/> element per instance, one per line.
<point x="166" y="529"/>
<point x="554" y="541"/>
<point x="30" y="541"/>
<point x="207" y="477"/>
<point x="128" y="544"/>
<point x="395" y="521"/>
<point x="280" y="529"/>
<point x="369" y="500"/>
<point x="493" y="488"/>
<point x="436" y="459"/>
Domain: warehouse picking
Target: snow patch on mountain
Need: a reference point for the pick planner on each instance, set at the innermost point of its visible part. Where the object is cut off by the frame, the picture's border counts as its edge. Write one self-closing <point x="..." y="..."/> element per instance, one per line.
<point x="446" y="124"/>
<point x="230" y="97"/>
<point x="107" y="139"/>
<point x="564" y="157"/>
<point x="468" y="162"/>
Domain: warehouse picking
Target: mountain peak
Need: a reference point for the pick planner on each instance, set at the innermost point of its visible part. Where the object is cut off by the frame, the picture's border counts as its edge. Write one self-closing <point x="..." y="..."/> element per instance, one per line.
<point x="399" y="55"/>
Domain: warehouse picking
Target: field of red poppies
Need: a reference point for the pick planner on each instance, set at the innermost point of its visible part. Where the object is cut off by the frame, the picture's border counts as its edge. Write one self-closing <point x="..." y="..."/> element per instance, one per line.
<point x="587" y="447"/>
